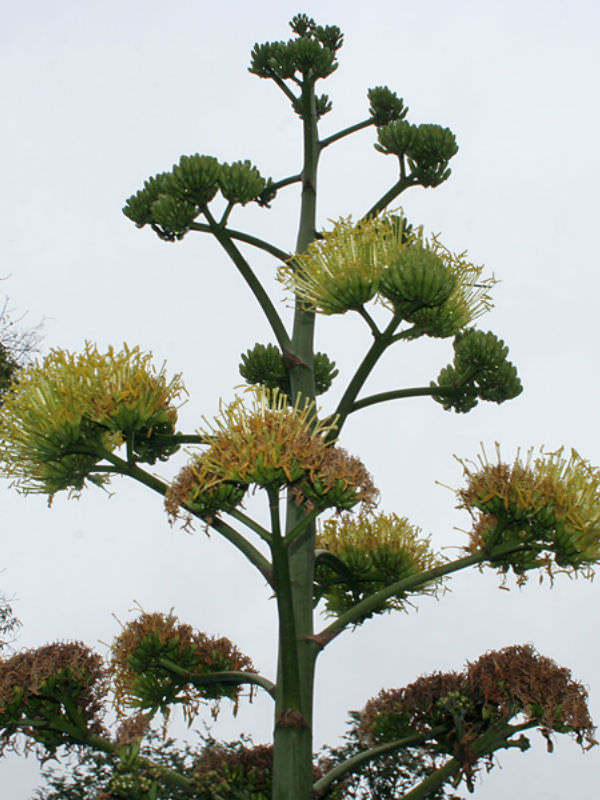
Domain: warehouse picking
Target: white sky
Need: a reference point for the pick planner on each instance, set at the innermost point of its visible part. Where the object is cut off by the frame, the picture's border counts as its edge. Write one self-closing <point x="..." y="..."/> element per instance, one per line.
<point x="97" y="97"/>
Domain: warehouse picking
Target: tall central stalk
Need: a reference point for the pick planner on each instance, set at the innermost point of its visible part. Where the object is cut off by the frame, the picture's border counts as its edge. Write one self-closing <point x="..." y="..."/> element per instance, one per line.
<point x="292" y="768"/>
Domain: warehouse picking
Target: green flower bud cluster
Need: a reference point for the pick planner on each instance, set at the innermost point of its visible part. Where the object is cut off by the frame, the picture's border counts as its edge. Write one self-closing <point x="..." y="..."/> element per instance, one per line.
<point x="385" y="106"/>
<point x="132" y="784"/>
<point x="438" y="291"/>
<point x="416" y="278"/>
<point x="265" y="365"/>
<point x="171" y="201"/>
<point x="312" y="55"/>
<point x="480" y="371"/>
<point x="427" y="149"/>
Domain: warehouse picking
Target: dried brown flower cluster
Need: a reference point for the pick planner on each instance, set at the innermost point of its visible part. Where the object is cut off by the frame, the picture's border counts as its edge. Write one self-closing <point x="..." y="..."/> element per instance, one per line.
<point x="156" y="659"/>
<point x="220" y="771"/>
<point x="516" y="683"/>
<point x="53" y="693"/>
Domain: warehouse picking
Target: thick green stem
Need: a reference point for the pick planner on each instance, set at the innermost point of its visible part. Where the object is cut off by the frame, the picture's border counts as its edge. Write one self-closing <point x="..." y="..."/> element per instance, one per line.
<point x="251" y="524"/>
<point x="288" y="685"/>
<point x="292" y="766"/>
<point x="496" y="738"/>
<point x="375" y="600"/>
<point x="248" y="275"/>
<point x="243" y="545"/>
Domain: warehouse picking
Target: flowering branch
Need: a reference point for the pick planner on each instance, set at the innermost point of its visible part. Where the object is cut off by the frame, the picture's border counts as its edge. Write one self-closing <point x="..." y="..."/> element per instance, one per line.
<point x="373" y="601"/>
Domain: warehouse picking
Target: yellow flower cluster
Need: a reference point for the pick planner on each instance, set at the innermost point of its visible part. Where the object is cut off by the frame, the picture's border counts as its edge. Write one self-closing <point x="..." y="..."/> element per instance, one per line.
<point x="62" y="411"/>
<point x="341" y="271"/>
<point x="350" y="265"/>
<point x="549" y="503"/>
<point x="372" y="551"/>
<point x="269" y="444"/>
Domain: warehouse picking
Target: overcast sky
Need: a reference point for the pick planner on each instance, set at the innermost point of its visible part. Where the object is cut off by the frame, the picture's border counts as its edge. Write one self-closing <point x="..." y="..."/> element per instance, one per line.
<point x="97" y="97"/>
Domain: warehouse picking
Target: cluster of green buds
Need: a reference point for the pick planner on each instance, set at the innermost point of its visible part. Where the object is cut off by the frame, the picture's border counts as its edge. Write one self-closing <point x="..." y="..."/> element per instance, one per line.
<point x="438" y="292"/>
<point x="271" y="444"/>
<point x="171" y="201"/>
<point x="546" y="507"/>
<point x="63" y="414"/>
<point x="357" y="557"/>
<point x="309" y="56"/>
<point x="266" y="365"/>
<point x="423" y="150"/>
<point x="385" y="106"/>
<point x="157" y="661"/>
<point x="55" y="693"/>
<point x="501" y="685"/>
<point x="480" y="371"/>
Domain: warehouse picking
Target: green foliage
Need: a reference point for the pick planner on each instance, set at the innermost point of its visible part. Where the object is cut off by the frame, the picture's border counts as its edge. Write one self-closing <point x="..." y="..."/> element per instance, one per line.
<point x="9" y="624"/>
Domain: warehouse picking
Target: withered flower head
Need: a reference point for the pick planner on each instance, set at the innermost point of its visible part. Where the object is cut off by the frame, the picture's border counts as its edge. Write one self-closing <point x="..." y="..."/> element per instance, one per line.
<point x="514" y="684"/>
<point x="270" y="444"/>
<point x="225" y="770"/>
<point x="548" y="506"/>
<point x="157" y="661"/>
<point x="54" y="694"/>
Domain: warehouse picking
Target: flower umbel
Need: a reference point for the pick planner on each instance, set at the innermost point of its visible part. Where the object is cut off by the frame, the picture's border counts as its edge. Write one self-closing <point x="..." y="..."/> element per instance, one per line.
<point x="63" y="411"/>
<point x="438" y="291"/>
<point x="270" y="444"/>
<point x="341" y="271"/>
<point x="370" y="552"/>
<point x="146" y="649"/>
<point x="548" y="506"/>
